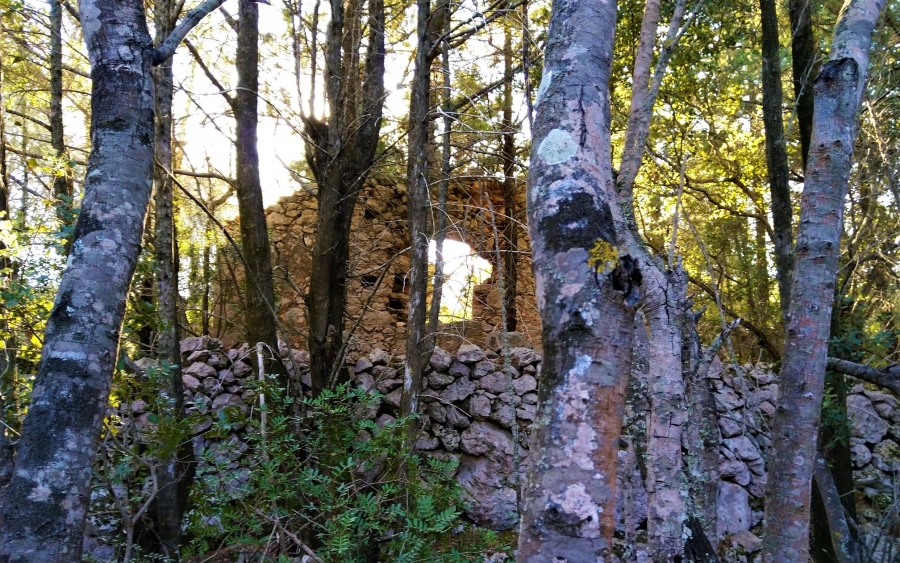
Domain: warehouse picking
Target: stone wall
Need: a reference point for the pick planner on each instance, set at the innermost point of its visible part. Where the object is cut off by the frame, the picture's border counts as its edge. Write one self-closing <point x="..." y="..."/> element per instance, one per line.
<point x="470" y="405"/>
<point x="380" y="236"/>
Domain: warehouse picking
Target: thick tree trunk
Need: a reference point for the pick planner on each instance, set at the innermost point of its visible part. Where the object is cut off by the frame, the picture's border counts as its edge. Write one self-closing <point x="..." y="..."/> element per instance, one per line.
<point x="776" y="151"/>
<point x="340" y="154"/>
<point x="838" y="91"/>
<point x="43" y="514"/>
<point x="586" y="291"/>
<point x="45" y="507"/>
<point x="665" y="478"/>
<point x="259" y="316"/>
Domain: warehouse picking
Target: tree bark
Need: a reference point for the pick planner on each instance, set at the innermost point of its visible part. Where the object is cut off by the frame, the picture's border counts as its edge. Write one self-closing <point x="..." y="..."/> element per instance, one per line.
<point x="418" y="203"/>
<point x="340" y="153"/>
<point x="259" y="315"/>
<point x="838" y="91"/>
<point x="776" y="151"/>
<point x="8" y="361"/>
<point x="43" y="514"/>
<point x="510" y="184"/>
<point x="62" y="183"/>
<point x="586" y="303"/>
<point x="45" y="507"/>
<point x="803" y="60"/>
<point x="175" y="472"/>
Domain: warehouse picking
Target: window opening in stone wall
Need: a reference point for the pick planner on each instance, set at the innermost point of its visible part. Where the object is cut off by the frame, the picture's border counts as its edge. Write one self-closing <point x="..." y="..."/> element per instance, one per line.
<point x="463" y="270"/>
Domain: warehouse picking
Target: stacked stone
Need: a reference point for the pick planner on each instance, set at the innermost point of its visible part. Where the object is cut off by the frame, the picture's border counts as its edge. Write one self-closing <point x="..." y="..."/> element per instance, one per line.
<point x="469" y="403"/>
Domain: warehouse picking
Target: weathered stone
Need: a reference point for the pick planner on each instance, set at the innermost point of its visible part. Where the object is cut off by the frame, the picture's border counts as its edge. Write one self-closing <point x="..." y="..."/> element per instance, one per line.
<point x="497" y="382"/>
<point x="450" y="439"/>
<point x="426" y="442"/>
<point x="384" y="372"/>
<point x="365" y="381"/>
<point x="362" y="364"/>
<point x="733" y="508"/>
<point x="483" y="438"/>
<point x="521" y="356"/>
<point x="479" y="407"/>
<point x="880" y="397"/>
<point x="226" y="376"/>
<point x="757" y="486"/>
<point x="437" y="412"/>
<point x="503" y="414"/>
<point x="457" y="418"/>
<point x="241" y="369"/>
<point x="470" y="354"/>
<point x="864" y="421"/>
<point x="393" y="398"/>
<point x="757" y="466"/>
<point x="529" y="369"/>
<point x="387" y="385"/>
<point x="767" y="409"/>
<point x="440" y="380"/>
<point x="458" y="369"/>
<point x="198" y="356"/>
<point x="727" y="400"/>
<point x="218" y="360"/>
<point x="735" y="470"/>
<point x="440" y="359"/>
<point x="458" y="391"/>
<point x="379" y="357"/>
<point x="226" y="400"/>
<point x="886" y="456"/>
<point x="385" y="420"/>
<point x="193" y="344"/>
<point x="743" y="448"/>
<point x="860" y="454"/>
<point x="524" y="384"/>
<point x="529" y="399"/>
<point x="526" y="412"/>
<point x="199" y="370"/>
<point x="730" y="427"/>
<point x="747" y="541"/>
<point x="483" y="368"/>
<point x="884" y="410"/>
<point x="491" y="504"/>
<point x="189" y="381"/>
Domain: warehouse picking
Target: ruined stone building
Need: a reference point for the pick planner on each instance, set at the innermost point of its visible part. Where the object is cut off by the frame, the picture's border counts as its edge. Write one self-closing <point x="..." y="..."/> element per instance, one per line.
<point x="380" y="241"/>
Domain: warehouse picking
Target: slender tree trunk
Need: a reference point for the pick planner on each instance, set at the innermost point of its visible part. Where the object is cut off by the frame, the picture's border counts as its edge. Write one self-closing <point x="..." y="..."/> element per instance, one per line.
<point x="418" y="204"/>
<point x="803" y="62"/>
<point x="62" y="184"/>
<point x="838" y="91"/>
<point x="259" y="316"/>
<point x="586" y="292"/>
<point x="510" y="229"/>
<point x="175" y="473"/>
<point x="45" y="507"/>
<point x="776" y="151"/>
<point x="340" y="153"/>
<point x="8" y="361"/>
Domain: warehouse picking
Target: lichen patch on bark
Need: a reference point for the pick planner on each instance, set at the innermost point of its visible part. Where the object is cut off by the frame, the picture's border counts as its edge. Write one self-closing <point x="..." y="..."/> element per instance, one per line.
<point x="557" y="147"/>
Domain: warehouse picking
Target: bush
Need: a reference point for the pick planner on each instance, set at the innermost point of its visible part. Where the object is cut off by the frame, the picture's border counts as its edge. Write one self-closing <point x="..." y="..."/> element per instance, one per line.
<point x="328" y="480"/>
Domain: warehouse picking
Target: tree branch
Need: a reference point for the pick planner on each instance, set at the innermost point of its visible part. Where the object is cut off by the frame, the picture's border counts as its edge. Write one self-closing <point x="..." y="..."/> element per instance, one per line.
<point x="888" y="378"/>
<point x="190" y="21"/>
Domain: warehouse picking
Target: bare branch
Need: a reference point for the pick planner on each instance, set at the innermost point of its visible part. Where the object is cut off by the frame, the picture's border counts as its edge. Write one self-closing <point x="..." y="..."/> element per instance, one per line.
<point x="190" y="21"/>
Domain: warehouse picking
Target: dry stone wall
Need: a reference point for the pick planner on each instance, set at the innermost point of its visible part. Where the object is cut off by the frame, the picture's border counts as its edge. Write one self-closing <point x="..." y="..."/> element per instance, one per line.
<point x="470" y="404"/>
<point x="380" y="237"/>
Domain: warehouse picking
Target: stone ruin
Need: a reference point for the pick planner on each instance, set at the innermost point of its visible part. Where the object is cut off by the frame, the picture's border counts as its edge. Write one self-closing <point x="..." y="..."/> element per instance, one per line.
<point x="470" y="404"/>
<point x="380" y="236"/>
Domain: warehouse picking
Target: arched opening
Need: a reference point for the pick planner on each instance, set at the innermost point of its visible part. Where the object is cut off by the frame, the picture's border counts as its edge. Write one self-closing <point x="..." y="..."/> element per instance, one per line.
<point x="463" y="270"/>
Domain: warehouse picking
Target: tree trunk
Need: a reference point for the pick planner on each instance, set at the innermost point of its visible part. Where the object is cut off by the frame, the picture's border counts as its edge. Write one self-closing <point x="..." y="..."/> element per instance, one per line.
<point x="62" y="183"/>
<point x="174" y="473"/>
<point x="8" y="360"/>
<point x="45" y="507"/>
<point x="43" y="513"/>
<point x="803" y="60"/>
<point x="838" y="92"/>
<point x="586" y="293"/>
<point x="418" y="203"/>
<point x="259" y="316"/>
<point x="511" y="228"/>
<point x="776" y="151"/>
<point x="340" y="153"/>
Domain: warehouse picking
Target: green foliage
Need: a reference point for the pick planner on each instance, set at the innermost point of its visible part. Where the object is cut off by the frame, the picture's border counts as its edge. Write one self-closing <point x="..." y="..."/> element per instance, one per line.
<point x="333" y="479"/>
